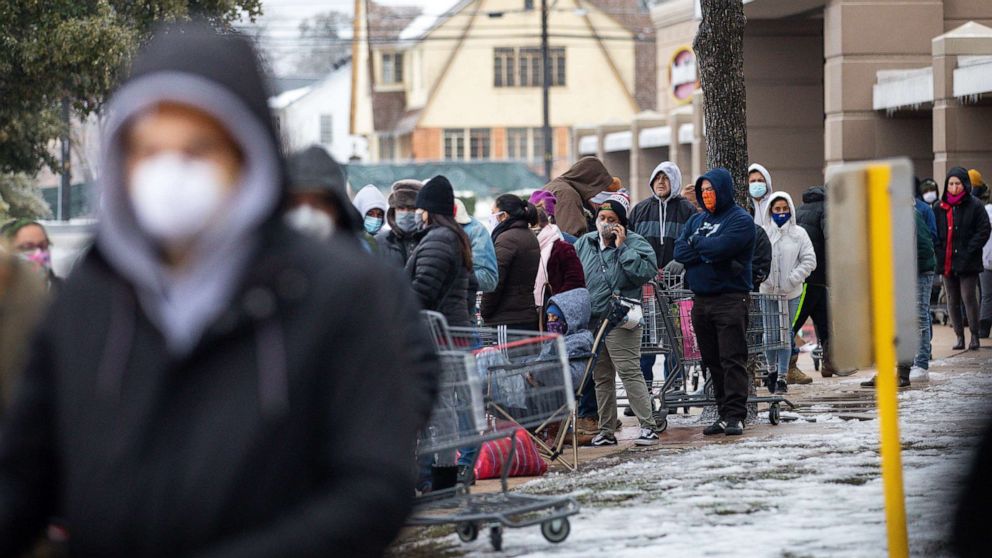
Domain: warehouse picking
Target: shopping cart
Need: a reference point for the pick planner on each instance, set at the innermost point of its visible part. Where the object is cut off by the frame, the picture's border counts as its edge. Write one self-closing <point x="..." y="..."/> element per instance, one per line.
<point x="668" y="331"/>
<point x="494" y="382"/>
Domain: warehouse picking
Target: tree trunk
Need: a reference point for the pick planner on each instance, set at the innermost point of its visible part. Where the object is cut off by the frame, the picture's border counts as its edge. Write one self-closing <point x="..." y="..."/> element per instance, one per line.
<point x="719" y="47"/>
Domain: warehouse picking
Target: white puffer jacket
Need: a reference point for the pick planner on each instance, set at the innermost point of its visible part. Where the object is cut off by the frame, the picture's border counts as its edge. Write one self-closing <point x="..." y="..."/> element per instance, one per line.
<point x="987" y="250"/>
<point x="793" y="258"/>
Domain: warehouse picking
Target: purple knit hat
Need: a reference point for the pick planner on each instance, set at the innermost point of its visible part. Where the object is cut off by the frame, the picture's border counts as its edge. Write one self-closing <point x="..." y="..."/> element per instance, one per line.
<point x="548" y="198"/>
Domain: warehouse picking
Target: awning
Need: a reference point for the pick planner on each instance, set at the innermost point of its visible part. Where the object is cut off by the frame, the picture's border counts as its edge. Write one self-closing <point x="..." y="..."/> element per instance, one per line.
<point x="483" y="177"/>
<point x="660" y="136"/>
<point x="896" y="89"/>
<point x="973" y="76"/>
<point x="588" y="145"/>
<point x="686" y="131"/>
<point x="617" y="141"/>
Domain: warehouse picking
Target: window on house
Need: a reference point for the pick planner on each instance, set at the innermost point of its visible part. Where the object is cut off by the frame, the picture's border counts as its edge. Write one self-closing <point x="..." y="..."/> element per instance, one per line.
<point x="528" y="4"/>
<point x="479" y="143"/>
<point x="387" y="148"/>
<point x="516" y="144"/>
<point x="523" y="67"/>
<point x="537" y="144"/>
<point x="326" y="130"/>
<point x="454" y="144"/>
<point x="392" y="67"/>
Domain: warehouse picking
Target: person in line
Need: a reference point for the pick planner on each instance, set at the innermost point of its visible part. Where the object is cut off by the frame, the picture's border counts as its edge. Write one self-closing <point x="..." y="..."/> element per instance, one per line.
<point x="440" y="270"/>
<point x="761" y="263"/>
<point x="981" y="191"/>
<point x="24" y="295"/>
<point x="926" y="263"/>
<point x="318" y="200"/>
<point x="978" y="187"/>
<point x="518" y="256"/>
<point x="793" y="260"/>
<point x="568" y="315"/>
<point x="716" y="248"/>
<point x="545" y="201"/>
<point x="29" y="239"/>
<point x="986" y="281"/>
<point x="483" y="251"/>
<point x="397" y="243"/>
<point x="560" y="269"/>
<point x="201" y="386"/>
<point x="660" y="220"/>
<point x="618" y="261"/>
<point x="372" y="206"/>
<point x="962" y="230"/>
<point x="759" y="188"/>
<point x="573" y="189"/>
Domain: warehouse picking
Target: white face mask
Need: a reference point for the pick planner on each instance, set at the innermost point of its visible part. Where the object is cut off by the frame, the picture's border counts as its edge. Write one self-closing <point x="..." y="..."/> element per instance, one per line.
<point x="930" y="197"/>
<point x="311" y="222"/>
<point x="494" y="219"/>
<point x="175" y="197"/>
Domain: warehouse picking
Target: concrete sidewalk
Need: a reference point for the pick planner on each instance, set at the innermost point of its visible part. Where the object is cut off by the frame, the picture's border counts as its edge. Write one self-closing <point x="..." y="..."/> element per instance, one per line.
<point x="834" y="397"/>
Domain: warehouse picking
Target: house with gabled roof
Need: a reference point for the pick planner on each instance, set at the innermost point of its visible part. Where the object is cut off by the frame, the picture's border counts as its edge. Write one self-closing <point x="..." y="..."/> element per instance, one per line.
<point x="465" y="84"/>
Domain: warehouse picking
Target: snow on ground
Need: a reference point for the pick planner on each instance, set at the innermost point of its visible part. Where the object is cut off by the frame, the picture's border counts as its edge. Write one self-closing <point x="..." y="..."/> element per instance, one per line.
<point x="814" y="491"/>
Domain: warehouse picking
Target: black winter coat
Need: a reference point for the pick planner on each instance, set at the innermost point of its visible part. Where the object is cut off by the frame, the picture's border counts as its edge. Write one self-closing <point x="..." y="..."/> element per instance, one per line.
<point x="811" y="215"/>
<point x="518" y="255"/>
<point x="439" y="276"/>
<point x="396" y="246"/>
<point x="256" y="444"/>
<point x="761" y="263"/>
<point x="970" y="232"/>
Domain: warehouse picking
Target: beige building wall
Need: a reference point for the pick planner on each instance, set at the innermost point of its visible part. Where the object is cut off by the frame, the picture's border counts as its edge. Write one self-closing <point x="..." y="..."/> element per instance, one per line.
<point x="678" y="31"/>
<point x="959" y="12"/>
<point x="460" y="96"/>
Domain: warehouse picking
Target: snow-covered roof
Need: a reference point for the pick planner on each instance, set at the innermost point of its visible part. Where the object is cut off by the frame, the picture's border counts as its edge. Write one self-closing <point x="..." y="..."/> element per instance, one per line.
<point x="973" y="76"/>
<point x="659" y="136"/>
<point x="896" y="89"/>
<point x="437" y="13"/>
<point x="686" y="131"/>
<point x="287" y="98"/>
<point x="617" y="141"/>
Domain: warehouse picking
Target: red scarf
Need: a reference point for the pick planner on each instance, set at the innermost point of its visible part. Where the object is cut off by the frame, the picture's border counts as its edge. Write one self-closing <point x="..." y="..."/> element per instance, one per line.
<point x="949" y="248"/>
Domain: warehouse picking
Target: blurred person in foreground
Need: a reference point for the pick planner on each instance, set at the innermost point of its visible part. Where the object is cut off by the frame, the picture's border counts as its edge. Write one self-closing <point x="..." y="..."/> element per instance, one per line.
<point x="201" y="386"/>
<point x="30" y="241"/>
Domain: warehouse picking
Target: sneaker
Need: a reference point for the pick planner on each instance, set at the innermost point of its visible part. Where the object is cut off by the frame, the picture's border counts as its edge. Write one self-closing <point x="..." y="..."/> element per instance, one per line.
<point x="717" y="427"/>
<point x="628" y="412"/>
<point x="797" y="376"/>
<point x="648" y="438"/>
<point x="917" y="374"/>
<point x="603" y="439"/>
<point x="734" y="428"/>
<point x="781" y="386"/>
<point x="868" y="383"/>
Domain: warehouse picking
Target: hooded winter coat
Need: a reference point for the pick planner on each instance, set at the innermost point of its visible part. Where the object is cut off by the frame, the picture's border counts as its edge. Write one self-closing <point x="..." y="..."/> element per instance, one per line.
<point x="314" y="170"/>
<point x="660" y="221"/>
<point x="987" y="250"/>
<point x="761" y="263"/>
<point x="439" y="276"/>
<point x="793" y="256"/>
<point x="811" y="216"/>
<point x="250" y="437"/>
<point x="367" y="199"/>
<point x="575" y="305"/>
<point x="586" y="178"/>
<point x="626" y="269"/>
<point x="717" y="247"/>
<point x="761" y="206"/>
<point x="967" y="224"/>
<point x="483" y="255"/>
<point x="518" y="256"/>
<point x="396" y="245"/>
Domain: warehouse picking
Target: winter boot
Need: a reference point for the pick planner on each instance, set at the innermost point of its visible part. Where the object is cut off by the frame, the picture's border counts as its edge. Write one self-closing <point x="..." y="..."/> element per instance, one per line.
<point x="959" y="346"/>
<point x="443" y="477"/>
<point x="796" y="376"/>
<point x="985" y="329"/>
<point x="975" y="343"/>
<point x="903" y="376"/>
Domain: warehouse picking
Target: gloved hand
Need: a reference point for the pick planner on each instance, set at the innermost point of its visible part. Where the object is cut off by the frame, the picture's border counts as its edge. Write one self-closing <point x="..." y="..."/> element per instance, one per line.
<point x="673" y="268"/>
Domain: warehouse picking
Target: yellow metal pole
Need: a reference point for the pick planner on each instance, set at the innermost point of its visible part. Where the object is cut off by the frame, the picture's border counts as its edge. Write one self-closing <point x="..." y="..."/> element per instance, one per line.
<point x="884" y="332"/>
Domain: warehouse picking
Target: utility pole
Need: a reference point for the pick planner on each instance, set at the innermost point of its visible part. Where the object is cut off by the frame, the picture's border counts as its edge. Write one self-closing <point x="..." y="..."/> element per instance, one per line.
<point x="545" y="90"/>
<point x="65" y="193"/>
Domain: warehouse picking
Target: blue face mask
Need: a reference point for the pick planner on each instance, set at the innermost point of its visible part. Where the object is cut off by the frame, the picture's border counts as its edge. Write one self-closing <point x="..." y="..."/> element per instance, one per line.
<point x="372" y="224"/>
<point x="757" y="190"/>
<point x="781" y="218"/>
<point x="406" y="221"/>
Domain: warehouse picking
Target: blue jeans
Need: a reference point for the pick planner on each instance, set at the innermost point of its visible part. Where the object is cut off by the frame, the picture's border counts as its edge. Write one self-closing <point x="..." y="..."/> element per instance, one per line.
<point x="924" y="283"/>
<point x="778" y="359"/>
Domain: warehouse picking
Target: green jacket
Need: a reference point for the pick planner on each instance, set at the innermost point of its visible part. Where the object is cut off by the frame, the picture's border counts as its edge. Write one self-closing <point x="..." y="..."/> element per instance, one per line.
<point x="626" y="269"/>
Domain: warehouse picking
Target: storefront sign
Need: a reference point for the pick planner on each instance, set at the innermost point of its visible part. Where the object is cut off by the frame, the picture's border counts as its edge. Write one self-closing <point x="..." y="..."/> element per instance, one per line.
<point x="682" y="74"/>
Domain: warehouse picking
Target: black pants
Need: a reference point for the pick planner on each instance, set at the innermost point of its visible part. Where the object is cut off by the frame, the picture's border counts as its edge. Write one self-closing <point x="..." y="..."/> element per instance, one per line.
<point x="814" y="306"/>
<point x="720" y="322"/>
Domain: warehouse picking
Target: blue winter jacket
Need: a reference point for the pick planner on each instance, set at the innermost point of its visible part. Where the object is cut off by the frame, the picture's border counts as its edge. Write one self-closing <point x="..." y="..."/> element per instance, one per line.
<point x="717" y="247"/>
<point x="483" y="256"/>
<point x="927" y="213"/>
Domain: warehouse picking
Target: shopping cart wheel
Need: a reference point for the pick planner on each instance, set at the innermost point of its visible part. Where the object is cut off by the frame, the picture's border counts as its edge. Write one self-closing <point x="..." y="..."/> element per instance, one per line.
<point x="467" y="531"/>
<point x="661" y="421"/>
<point x="556" y="530"/>
<point x="773" y="414"/>
<point x="496" y="537"/>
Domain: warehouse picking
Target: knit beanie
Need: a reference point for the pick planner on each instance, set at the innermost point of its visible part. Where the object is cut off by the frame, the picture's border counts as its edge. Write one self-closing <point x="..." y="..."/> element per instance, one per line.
<point x="547" y="198"/>
<point x="617" y="204"/>
<point x="976" y="178"/>
<point x="437" y="196"/>
<point x="404" y="193"/>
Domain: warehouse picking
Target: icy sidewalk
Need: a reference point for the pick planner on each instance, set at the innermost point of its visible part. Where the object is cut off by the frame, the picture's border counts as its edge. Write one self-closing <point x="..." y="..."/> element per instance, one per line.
<point x="795" y="490"/>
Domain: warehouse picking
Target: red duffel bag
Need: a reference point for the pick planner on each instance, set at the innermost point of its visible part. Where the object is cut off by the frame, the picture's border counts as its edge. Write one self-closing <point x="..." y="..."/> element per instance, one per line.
<point x="527" y="462"/>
